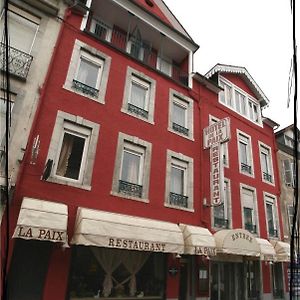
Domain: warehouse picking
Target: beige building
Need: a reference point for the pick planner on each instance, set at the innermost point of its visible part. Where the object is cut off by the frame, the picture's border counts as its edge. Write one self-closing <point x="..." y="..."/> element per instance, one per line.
<point x="287" y="173"/>
<point x="33" y="27"/>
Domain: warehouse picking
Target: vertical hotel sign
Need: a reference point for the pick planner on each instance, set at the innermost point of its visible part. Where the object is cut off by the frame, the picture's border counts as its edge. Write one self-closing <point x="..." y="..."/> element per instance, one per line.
<point x="213" y="136"/>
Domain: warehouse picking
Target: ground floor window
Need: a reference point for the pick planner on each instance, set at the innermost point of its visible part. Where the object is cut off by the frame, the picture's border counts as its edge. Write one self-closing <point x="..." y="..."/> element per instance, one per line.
<point x="277" y="275"/>
<point x="108" y="272"/>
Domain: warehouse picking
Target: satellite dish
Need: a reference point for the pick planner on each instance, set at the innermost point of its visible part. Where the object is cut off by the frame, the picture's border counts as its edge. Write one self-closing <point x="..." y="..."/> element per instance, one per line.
<point x="47" y="169"/>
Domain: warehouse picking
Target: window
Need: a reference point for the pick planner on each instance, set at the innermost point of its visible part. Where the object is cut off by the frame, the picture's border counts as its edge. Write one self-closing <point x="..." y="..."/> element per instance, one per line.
<point x="139" y="93"/>
<point x="290" y="214"/>
<point x="164" y="65"/>
<point x="277" y="275"/>
<point x="72" y="151"/>
<point x="101" y="30"/>
<point x="289" y="172"/>
<point x="135" y="274"/>
<point x="266" y="163"/>
<point x="224" y="146"/>
<point x="221" y="213"/>
<point x="179" y="181"/>
<point x="245" y="154"/>
<point x="132" y="168"/>
<point x="88" y="76"/>
<point x="271" y="215"/>
<point x="180" y="114"/>
<point x="88" y="72"/>
<point x="249" y="208"/>
<point x="23" y="28"/>
<point x="3" y="104"/>
<point x="238" y="100"/>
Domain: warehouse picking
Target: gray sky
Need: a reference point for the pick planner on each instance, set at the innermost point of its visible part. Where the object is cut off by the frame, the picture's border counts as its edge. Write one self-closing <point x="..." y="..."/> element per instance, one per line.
<point x="255" y="34"/>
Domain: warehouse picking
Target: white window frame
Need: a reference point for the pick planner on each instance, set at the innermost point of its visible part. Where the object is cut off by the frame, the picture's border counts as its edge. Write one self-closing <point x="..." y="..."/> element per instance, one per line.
<point x="183" y="161"/>
<point x="255" y="219"/>
<point x="291" y="169"/>
<point x="183" y="166"/>
<point x="95" y="56"/>
<point x="224" y="146"/>
<point x="248" y="100"/>
<point x="141" y="50"/>
<point x="3" y="116"/>
<point x="186" y="102"/>
<point x="227" y="206"/>
<point x="96" y="21"/>
<point x="272" y="200"/>
<point x="164" y="65"/>
<point x="248" y="150"/>
<point x="133" y="75"/>
<point x="290" y="217"/>
<point x="83" y="128"/>
<point x="136" y="145"/>
<point x="266" y="150"/>
<point x="145" y="85"/>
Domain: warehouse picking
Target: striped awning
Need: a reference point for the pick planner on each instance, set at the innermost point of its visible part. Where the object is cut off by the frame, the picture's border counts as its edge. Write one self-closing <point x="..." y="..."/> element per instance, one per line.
<point x="282" y="250"/>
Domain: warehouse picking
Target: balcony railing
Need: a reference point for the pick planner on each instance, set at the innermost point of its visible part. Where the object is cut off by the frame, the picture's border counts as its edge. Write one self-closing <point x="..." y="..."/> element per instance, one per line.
<point x="273" y="232"/>
<point x="180" y="129"/>
<point x="130" y="189"/>
<point x="250" y="227"/>
<point x="267" y="177"/>
<point x="18" y="62"/>
<point x="139" y="50"/>
<point x="178" y="200"/>
<point x="246" y="168"/>
<point x="137" y="110"/>
<point x="85" y="89"/>
<point x="220" y="222"/>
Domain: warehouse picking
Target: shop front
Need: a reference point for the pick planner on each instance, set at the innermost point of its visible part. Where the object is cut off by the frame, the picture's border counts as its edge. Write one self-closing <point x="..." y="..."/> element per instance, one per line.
<point x="236" y="271"/>
<point x="119" y="256"/>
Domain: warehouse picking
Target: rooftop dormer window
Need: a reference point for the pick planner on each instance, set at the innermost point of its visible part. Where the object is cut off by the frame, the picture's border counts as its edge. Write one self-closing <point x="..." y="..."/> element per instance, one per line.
<point x="239" y="101"/>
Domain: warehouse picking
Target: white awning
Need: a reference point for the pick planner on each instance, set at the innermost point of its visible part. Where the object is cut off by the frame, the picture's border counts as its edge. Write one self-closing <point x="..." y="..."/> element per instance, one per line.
<point x="267" y="251"/>
<point x="282" y="250"/>
<point x="237" y="242"/>
<point x="198" y="240"/>
<point x="42" y="220"/>
<point x="111" y="230"/>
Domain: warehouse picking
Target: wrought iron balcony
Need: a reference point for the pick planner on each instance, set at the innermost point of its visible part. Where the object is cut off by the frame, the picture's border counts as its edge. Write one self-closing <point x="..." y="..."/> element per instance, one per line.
<point x="250" y="227"/>
<point x="180" y="129"/>
<point x="130" y="189"/>
<point x="267" y="177"/>
<point x="85" y="89"/>
<point x="246" y="168"/>
<point x="137" y="110"/>
<point x="139" y="50"/>
<point x="18" y="61"/>
<point x="220" y="222"/>
<point x="273" y="232"/>
<point x="178" y="200"/>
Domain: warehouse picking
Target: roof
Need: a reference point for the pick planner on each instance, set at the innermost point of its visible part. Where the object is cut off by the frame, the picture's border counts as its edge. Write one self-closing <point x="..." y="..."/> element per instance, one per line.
<point x="241" y="71"/>
<point x="283" y="130"/>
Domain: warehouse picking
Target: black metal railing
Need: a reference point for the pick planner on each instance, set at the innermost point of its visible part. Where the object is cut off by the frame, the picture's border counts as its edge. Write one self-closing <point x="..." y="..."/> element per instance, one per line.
<point x="273" y="232"/>
<point x="85" y="89"/>
<point x="137" y="110"/>
<point x="139" y="50"/>
<point x="250" y="227"/>
<point x="220" y="222"/>
<point x="180" y="129"/>
<point x="178" y="200"/>
<point x="267" y="177"/>
<point x="130" y="189"/>
<point x="18" y="61"/>
<point x="246" y="168"/>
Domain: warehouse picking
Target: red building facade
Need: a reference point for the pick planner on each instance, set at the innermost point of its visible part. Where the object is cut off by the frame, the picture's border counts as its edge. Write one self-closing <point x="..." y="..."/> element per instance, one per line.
<point x="117" y="201"/>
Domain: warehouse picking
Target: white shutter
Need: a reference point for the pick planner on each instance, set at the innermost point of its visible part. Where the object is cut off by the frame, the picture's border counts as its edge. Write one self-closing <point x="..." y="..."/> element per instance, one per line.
<point x="288" y="172"/>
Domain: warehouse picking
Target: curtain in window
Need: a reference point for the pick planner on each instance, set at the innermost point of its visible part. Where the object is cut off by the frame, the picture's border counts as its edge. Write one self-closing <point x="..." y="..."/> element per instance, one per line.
<point x="88" y="73"/>
<point x="130" y="168"/>
<point x="65" y="152"/>
<point x="138" y="95"/>
<point x="177" y="180"/>
<point x="109" y="261"/>
<point x="264" y="162"/>
<point x="243" y="153"/>
<point x="134" y="261"/>
<point x="270" y="217"/>
<point x="179" y="115"/>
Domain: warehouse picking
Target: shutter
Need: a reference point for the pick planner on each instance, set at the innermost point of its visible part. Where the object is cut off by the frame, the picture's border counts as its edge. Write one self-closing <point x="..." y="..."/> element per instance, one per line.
<point x="248" y="198"/>
<point x="287" y="172"/>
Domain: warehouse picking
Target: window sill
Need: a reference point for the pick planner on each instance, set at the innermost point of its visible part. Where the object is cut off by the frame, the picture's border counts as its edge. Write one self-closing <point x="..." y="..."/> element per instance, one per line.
<point x="247" y="174"/>
<point x="149" y="120"/>
<point x="188" y="137"/>
<point x="179" y="207"/>
<point x="69" y="183"/>
<point x="268" y="182"/>
<point x="120" y="195"/>
<point x="73" y="90"/>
